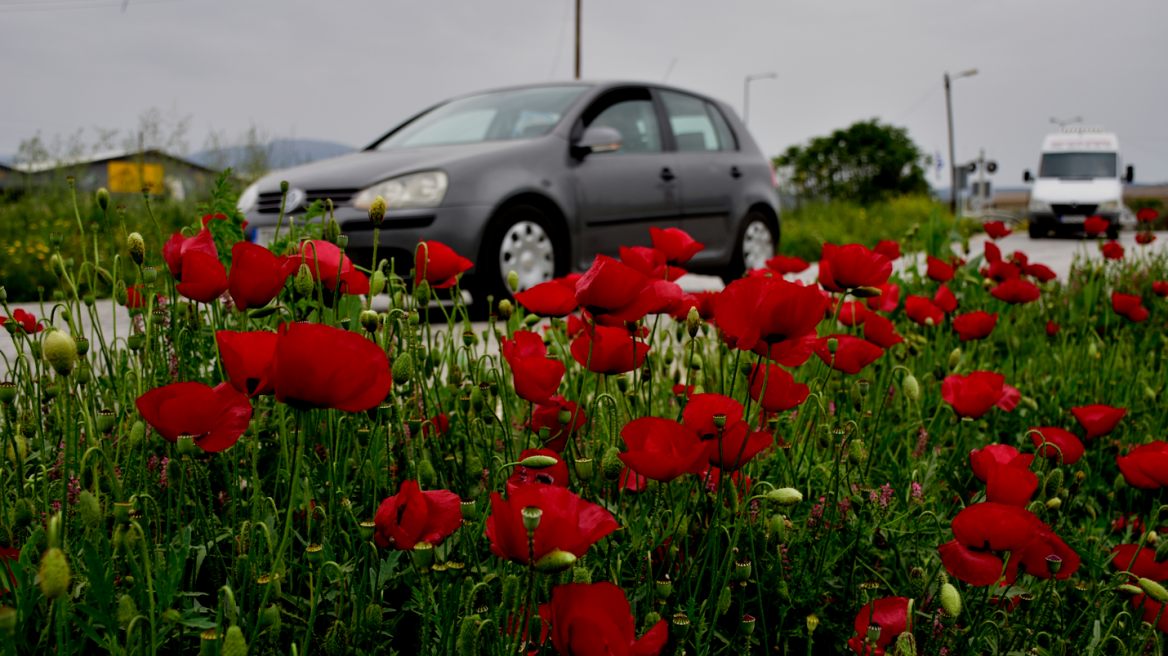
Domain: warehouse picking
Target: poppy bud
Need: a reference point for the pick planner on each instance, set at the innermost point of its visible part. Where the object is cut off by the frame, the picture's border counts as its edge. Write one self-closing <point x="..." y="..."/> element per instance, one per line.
<point x="505" y="309"/>
<point x="742" y="569"/>
<point x="531" y="516"/>
<point x="693" y="321"/>
<point x="57" y="265"/>
<point x="54" y="573"/>
<point x="476" y="400"/>
<point x="22" y="513"/>
<point x="777" y="528"/>
<point x="233" y="642"/>
<point x="137" y="433"/>
<point x="1092" y="350"/>
<point x="369" y="321"/>
<point x="18" y="454"/>
<point x="510" y="592"/>
<point x="950" y="599"/>
<point x="912" y="388"/>
<point x="856" y="451"/>
<point x="1053" y="483"/>
<point x="955" y="359"/>
<point x="866" y="292"/>
<point x="581" y="575"/>
<point x="724" y="601"/>
<point x="60" y="351"/>
<point x="403" y="368"/>
<point x="423" y="555"/>
<point x="426" y="474"/>
<point x="1054" y="503"/>
<point x="121" y="294"/>
<point x="8" y="620"/>
<point x="137" y="247"/>
<point x="1154" y="590"/>
<point x="812" y="623"/>
<point x="422" y="294"/>
<point x="89" y="510"/>
<point x="611" y="465"/>
<point x="377" y="211"/>
<point x="785" y="496"/>
<point x="651" y="619"/>
<point x="303" y="281"/>
<point x="513" y="281"/>
<point x="555" y="561"/>
<point x="538" y="462"/>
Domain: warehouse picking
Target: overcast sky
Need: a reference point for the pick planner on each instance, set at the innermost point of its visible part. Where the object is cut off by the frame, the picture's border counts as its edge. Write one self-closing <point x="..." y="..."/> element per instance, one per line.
<point x="347" y="71"/>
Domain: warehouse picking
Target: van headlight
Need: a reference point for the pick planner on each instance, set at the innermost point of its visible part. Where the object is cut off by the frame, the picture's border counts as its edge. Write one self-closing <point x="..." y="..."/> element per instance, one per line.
<point x="1109" y="206"/>
<point x="425" y="189"/>
<point x="247" y="200"/>
<point x="1039" y="206"/>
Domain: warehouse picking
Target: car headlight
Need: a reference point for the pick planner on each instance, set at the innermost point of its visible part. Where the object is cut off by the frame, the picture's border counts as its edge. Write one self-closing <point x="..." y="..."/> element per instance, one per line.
<point x="1039" y="206"/>
<point x="247" y="200"/>
<point x="426" y="189"/>
<point x="1109" y="206"/>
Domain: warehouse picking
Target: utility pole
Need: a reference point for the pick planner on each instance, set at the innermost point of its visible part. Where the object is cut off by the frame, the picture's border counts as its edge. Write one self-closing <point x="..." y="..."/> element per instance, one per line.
<point x="578" y="39"/>
<point x="746" y="93"/>
<point x="952" y="164"/>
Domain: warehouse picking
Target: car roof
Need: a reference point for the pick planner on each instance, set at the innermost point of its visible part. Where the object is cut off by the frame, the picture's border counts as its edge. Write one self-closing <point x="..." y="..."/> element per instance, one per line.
<point x="600" y="84"/>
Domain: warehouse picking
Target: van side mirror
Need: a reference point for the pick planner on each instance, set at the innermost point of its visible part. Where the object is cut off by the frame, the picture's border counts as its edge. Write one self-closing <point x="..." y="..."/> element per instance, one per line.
<point x="1131" y="174"/>
<point x="597" y="139"/>
<point x="1026" y="177"/>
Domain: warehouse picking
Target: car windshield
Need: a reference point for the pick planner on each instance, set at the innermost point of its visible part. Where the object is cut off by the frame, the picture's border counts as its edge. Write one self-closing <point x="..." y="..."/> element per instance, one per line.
<point x="498" y="116"/>
<point x="1077" y="165"/>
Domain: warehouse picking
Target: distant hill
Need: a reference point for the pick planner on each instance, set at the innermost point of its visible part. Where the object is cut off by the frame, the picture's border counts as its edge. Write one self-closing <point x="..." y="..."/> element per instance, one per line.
<point x="282" y="153"/>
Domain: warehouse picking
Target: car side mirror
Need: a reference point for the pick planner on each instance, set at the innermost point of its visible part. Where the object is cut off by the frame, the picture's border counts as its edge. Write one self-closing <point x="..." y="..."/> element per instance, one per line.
<point x="1026" y="177"/>
<point x="1131" y="174"/>
<point x="597" y="139"/>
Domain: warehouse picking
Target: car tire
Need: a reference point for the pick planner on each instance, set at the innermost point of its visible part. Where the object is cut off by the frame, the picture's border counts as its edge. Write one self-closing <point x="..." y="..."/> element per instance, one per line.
<point x="1037" y="231"/>
<point x="527" y="237"/>
<point x="750" y="245"/>
<point x="1113" y="232"/>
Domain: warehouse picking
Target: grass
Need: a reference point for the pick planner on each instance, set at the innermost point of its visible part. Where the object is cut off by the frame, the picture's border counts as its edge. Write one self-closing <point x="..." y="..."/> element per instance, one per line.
<point x="808" y="226"/>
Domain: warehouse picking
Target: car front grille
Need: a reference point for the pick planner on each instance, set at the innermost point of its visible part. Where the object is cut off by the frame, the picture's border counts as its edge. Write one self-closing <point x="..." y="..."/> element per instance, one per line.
<point x="269" y="203"/>
<point x="1067" y="210"/>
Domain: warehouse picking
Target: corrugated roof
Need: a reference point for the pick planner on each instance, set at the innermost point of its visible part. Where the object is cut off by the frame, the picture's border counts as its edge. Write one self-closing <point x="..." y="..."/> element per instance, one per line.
<point x="99" y="157"/>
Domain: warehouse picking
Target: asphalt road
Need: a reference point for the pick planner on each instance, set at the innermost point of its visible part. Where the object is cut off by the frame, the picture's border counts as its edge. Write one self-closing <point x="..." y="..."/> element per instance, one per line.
<point x="1054" y="253"/>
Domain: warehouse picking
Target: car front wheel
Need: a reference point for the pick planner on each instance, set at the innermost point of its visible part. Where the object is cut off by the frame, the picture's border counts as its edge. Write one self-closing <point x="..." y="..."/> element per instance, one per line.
<point x="755" y="245"/>
<point x="522" y="240"/>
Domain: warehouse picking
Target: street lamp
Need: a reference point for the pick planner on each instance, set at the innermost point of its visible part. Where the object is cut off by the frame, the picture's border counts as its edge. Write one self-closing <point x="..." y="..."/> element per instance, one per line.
<point x="952" y="165"/>
<point x="1064" y="122"/>
<point x="746" y="92"/>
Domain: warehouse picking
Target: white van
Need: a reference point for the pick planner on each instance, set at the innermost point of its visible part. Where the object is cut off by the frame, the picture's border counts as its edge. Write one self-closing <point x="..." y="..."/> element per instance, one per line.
<point x="1079" y="176"/>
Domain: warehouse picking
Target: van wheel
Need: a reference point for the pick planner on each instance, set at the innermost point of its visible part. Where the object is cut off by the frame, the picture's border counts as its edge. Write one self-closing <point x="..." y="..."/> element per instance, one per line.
<point x="522" y="239"/>
<point x="756" y="243"/>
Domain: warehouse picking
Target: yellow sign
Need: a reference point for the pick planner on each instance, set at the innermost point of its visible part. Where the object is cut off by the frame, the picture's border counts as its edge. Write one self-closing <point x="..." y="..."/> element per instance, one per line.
<point x="131" y="177"/>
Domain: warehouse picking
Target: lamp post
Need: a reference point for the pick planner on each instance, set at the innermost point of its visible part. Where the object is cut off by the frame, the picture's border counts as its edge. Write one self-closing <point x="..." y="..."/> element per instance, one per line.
<point x="952" y="165"/>
<point x="578" y="39"/>
<point x="746" y="92"/>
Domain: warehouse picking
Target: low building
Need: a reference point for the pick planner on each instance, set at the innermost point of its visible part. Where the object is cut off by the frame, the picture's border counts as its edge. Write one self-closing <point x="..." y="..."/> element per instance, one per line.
<point x="119" y="171"/>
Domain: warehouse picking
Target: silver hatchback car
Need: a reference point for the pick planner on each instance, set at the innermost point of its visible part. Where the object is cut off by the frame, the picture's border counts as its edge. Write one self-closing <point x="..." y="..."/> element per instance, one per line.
<point x="539" y="179"/>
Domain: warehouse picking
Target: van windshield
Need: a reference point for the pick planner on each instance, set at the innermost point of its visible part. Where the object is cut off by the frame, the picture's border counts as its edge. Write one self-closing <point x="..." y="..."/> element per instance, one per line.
<point x="1077" y="165"/>
<point x="515" y="114"/>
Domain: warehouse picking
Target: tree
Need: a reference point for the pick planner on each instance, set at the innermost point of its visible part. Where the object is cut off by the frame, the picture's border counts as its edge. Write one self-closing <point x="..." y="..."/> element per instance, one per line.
<point x="865" y="163"/>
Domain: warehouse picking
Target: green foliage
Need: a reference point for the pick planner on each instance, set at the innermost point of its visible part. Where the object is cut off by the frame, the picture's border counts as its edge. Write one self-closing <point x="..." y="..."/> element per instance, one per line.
<point x="865" y="163"/>
<point x="808" y="226"/>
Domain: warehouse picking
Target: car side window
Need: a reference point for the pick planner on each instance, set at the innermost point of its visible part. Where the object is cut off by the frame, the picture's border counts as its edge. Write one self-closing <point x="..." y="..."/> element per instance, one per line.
<point x="693" y="129"/>
<point x="726" y="140"/>
<point x="630" y="112"/>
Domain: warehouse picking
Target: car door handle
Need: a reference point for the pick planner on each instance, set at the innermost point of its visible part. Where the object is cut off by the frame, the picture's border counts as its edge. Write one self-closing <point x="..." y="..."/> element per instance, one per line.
<point x="734" y="172"/>
<point x="667" y="175"/>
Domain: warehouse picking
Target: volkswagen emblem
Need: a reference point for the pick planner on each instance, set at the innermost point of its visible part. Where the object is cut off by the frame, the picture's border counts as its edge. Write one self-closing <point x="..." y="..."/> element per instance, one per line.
<point x="295" y="199"/>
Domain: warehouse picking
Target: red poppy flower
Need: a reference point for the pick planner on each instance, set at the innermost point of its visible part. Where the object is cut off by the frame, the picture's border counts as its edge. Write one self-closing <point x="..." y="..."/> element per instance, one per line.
<point x="1112" y="250"/>
<point x="975" y="325"/>
<point x="650" y="262"/>
<point x="1160" y="288"/>
<point x="888" y="299"/>
<point x="973" y="395"/>
<point x="215" y="417"/>
<point x="996" y="229"/>
<point x="412" y="516"/>
<point x="850" y="266"/>
<point x="665" y="298"/>
<point x="939" y="270"/>
<point x="888" y="248"/>
<point x="1040" y="272"/>
<point x="782" y="392"/>
<point x="536" y="376"/>
<point x="1147" y="215"/>
<point x="568" y="523"/>
<point x="945" y="299"/>
<point x="983" y="460"/>
<point x="851" y="354"/>
<point x="676" y="244"/>
<point x="1146" y="467"/>
<point x="548" y="299"/>
<point x="548" y="415"/>
<point x="1139" y="561"/>
<point x="992" y="253"/>
<point x="1016" y="291"/>
<point x="660" y="449"/>
<point x="1098" y="420"/>
<point x="683" y="390"/>
<point x="437" y="264"/>
<point x="318" y="366"/>
<point x="26" y="321"/>
<point x="699" y="414"/>
<point x="1035" y="558"/>
<point x="203" y="277"/>
<point x="1069" y="445"/>
<point x="615" y="289"/>
<point x="923" y="311"/>
<point x="890" y="614"/>
<point x="436" y="426"/>
<point x="556" y="475"/>
<point x="135" y="299"/>
<point x="761" y="314"/>
<point x="631" y="481"/>
<point x="1095" y="226"/>
<point x="1145" y="238"/>
<point x="784" y="264"/>
<point x="177" y="247"/>
<point x="762" y="273"/>
<point x="1152" y="611"/>
<point x="703" y="301"/>
<point x="324" y="259"/>
<point x="245" y="358"/>
<point x="593" y="619"/>
<point x="981" y="529"/>
<point x="1011" y="483"/>
<point x="737" y="446"/>
<point x="1052" y="329"/>
<point x="257" y="275"/>
<point x="853" y="313"/>
<point x="1002" y="271"/>
<point x="608" y="351"/>
<point x="881" y="332"/>
<point x="1128" y="306"/>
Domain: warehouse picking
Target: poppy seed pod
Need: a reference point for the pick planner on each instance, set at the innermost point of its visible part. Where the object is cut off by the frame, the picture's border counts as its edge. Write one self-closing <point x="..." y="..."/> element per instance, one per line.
<point x="136" y="247"/>
<point x="584" y="472"/>
<point x="54" y="573"/>
<point x="873" y="635"/>
<point x="664" y="588"/>
<point x="422" y="555"/>
<point x="7" y="392"/>
<point x="377" y="211"/>
<point x="950" y="599"/>
<point x="60" y="350"/>
<point x="531" y="516"/>
<point x="467" y="510"/>
<point x="742" y="569"/>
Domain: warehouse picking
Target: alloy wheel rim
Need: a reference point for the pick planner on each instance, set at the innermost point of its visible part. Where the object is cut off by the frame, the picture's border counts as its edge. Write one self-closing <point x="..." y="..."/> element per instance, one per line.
<point x="527" y="250"/>
<point x="757" y="245"/>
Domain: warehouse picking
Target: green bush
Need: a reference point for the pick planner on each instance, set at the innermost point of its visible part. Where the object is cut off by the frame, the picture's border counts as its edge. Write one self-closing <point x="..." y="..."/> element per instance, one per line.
<point x="807" y="227"/>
